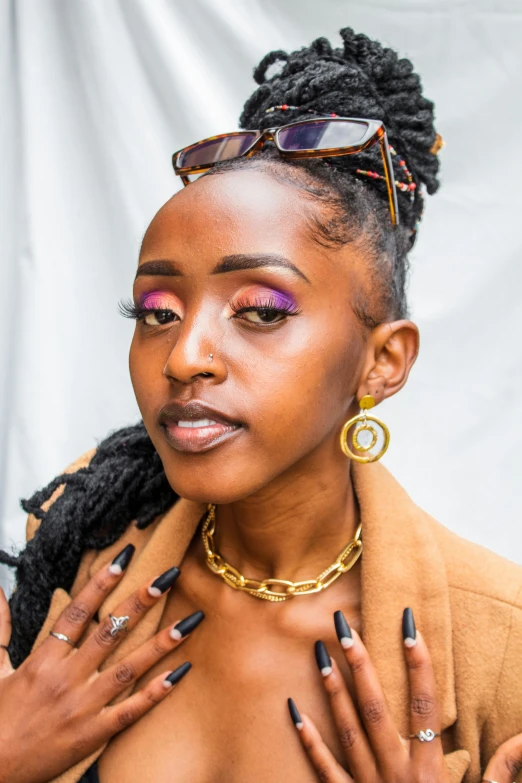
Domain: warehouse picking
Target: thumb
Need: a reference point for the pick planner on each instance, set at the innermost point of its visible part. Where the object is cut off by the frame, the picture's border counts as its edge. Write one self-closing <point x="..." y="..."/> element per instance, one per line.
<point x="507" y="762"/>
<point x="5" y="636"/>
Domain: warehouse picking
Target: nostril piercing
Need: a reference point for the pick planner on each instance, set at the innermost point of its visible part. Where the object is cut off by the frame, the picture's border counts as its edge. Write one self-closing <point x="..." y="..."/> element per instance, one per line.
<point x="210" y="357"/>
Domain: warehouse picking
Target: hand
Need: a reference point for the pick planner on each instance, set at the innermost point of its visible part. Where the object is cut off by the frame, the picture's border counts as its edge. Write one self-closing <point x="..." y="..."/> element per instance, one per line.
<point x="506" y="763"/>
<point x="54" y="707"/>
<point x="373" y="750"/>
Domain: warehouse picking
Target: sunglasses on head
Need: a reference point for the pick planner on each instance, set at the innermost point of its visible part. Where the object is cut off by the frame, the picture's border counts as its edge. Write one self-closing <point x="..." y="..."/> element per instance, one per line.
<point x="315" y="138"/>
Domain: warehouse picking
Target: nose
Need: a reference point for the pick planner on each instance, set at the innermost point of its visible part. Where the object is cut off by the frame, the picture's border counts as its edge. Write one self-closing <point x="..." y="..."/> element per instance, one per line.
<point x="195" y="354"/>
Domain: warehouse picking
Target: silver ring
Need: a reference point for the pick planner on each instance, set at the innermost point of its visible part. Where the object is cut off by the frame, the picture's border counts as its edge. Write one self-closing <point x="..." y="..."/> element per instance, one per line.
<point x="62" y="637"/>
<point x="119" y="624"/>
<point x="425" y="736"/>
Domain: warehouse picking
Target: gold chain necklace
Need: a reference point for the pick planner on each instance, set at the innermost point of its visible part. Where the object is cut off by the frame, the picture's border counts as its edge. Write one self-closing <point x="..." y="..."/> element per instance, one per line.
<point x="276" y="589"/>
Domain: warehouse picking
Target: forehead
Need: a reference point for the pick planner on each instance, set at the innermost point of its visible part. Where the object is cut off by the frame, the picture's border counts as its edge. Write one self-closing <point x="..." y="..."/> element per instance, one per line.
<point x="248" y="212"/>
<point x="230" y="209"/>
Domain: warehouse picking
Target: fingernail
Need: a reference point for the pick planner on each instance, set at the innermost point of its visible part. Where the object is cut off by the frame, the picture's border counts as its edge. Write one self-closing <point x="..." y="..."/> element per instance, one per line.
<point x="177" y="675"/>
<point x="342" y="630"/>
<point x="409" y="633"/>
<point x="323" y="659"/>
<point x="186" y="626"/>
<point x="122" y="560"/>
<point x="163" y="582"/>
<point x="294" y="714"/>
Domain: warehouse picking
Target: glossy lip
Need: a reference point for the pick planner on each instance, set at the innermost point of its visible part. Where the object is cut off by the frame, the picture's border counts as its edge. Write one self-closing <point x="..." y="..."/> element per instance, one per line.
<point x="196" y="439"/>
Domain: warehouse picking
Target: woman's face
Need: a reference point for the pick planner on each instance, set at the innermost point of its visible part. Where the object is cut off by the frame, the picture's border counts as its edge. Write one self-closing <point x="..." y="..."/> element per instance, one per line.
<point x="247" y="354"/>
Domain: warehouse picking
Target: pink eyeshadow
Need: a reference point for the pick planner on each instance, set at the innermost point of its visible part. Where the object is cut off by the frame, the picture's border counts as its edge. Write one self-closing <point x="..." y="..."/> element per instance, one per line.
<point x="156" y="300"/>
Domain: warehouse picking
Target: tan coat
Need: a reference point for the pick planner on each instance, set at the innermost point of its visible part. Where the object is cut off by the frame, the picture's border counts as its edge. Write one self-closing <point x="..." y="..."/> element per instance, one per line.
<point x="466" y="602"/>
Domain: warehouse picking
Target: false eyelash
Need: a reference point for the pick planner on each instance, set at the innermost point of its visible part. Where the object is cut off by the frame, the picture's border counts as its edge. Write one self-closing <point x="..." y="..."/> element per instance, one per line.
<point x="128" y="309"/>
<point x="270" y="305"/>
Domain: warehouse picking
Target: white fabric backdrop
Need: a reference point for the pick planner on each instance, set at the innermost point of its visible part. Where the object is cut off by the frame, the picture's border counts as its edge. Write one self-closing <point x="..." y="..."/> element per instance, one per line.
<point x="97" y="94"/>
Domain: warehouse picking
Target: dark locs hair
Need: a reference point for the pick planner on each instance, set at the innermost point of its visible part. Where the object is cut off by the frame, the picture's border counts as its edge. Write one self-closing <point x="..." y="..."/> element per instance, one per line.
<point x="362" y="79"/>
<point x="124" y="481"/>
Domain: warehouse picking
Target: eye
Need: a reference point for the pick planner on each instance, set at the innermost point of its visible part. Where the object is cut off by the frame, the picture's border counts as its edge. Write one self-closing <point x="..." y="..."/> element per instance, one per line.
<point x="158" y="317"/>
<point x="151" y="316"/>
<point x="262" y="315"/>
<point x="264" y="310"/>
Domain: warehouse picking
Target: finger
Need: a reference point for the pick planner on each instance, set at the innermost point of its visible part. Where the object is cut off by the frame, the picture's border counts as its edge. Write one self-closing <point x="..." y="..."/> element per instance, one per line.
<point x="6" y="667"/>
<point x="115" y="679"/>
<point x="74" y="620"/>
<point x="120" y="716"/>
<point x="98" y="646"/>
<point x="324" y="763"/>
<point x="507" y="762"/>
<point x="424" y="705"/>
<point x="354" y="742"/>
<point x="5" y="621"/>
<point x="382" y="733"/>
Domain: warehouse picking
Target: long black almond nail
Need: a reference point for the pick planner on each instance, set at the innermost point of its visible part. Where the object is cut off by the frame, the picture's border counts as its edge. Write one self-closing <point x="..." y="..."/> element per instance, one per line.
<point x="294" y="714"/>
<point x="409" y="632"/>
<point x="163" y="582"/>
<point x="187" y="625"/>
<point x="323" y="659"/>
<point x="342" y="630"/>
<point x="177" y="675"/>
<point x="122" y="560"/>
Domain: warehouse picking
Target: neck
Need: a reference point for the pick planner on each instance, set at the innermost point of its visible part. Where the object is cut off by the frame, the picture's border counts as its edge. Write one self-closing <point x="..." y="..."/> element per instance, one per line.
<point x="293" y="528"/>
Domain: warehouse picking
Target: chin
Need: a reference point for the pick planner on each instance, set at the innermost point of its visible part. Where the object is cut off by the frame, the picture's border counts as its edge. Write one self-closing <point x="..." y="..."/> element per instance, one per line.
<point x="212" y="487"/>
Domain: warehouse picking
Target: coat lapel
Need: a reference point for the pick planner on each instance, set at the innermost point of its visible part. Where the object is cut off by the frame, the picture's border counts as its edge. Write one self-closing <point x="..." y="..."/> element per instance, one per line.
<point x="401" y="567"/>
<point x="160" y="551"/>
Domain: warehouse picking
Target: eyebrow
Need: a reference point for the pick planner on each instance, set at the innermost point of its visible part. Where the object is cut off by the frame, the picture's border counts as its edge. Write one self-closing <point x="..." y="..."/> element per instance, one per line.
<point x="160" y="268"/>
<point x="233" y="263"/>
<point x="241" y="261"/>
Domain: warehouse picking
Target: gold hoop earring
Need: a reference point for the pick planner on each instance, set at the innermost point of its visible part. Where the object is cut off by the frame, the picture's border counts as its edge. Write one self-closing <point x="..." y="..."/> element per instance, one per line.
<point x="365" y="423"/>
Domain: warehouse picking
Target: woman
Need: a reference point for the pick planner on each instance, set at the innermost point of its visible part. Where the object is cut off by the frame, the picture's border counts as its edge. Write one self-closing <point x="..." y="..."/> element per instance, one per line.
<point x="271" y="317"/>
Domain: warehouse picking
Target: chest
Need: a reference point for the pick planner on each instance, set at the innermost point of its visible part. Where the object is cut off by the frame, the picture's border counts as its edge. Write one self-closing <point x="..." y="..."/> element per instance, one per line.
<point x="228" y="719"/>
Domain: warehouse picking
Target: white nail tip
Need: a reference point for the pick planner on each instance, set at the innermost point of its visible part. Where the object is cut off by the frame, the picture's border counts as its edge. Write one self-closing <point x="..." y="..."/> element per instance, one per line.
<point x="155" y="592"/>
<point x="115" y="569"/>
<point x="346" y="642"/>
<point x="175" y="634"/>
<point x="409" y="642"/>
<point x="326" y="671"/>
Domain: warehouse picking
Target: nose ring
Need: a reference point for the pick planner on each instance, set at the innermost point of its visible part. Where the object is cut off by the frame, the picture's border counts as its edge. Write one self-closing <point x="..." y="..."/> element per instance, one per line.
<point x="210" y="357"/>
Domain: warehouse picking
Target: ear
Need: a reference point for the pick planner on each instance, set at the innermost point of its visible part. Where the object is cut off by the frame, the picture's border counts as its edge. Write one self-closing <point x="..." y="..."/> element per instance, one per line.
<point x="392" y="350"/>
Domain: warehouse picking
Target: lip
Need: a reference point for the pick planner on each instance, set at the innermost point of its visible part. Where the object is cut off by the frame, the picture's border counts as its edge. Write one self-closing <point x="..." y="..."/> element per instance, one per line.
<point x="196" y="439"/>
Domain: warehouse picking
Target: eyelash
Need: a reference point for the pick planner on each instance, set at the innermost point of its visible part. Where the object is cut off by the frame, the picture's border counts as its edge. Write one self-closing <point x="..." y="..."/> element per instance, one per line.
<point x="129" y="309"/>
<point x="267" y="306"/>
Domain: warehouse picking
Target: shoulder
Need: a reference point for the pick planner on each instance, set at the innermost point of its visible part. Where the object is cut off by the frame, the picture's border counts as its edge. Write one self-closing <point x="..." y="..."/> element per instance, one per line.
<point x="475" y="570"/>
<point x="33" y="522"/>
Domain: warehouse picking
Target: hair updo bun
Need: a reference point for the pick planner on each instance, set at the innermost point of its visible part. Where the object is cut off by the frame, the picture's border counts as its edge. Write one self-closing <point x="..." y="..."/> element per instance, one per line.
<point x="362" y="79"/>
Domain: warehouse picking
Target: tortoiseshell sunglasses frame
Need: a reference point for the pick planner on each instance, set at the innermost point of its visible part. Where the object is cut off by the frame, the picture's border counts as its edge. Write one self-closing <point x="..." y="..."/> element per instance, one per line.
<point x="375" y="134"/>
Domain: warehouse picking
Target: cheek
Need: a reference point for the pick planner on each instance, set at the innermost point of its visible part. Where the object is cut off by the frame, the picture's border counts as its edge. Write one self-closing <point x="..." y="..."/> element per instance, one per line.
<point x="305" y="384"/>
<point x="146" y="373"/>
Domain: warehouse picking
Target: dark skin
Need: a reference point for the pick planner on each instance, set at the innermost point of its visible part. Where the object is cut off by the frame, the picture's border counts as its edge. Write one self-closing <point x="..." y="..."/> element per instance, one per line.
<point x="286" y="507"/>
<point x="281" y="478"/>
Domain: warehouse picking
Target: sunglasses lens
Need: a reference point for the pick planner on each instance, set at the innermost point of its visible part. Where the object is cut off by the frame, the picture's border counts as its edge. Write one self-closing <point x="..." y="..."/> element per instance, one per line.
<point x="215" y="150"/>
<point x="322" y="135"/>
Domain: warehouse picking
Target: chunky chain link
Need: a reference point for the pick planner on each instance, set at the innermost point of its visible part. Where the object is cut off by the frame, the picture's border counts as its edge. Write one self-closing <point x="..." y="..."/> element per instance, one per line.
<point x="276" y="589"/>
